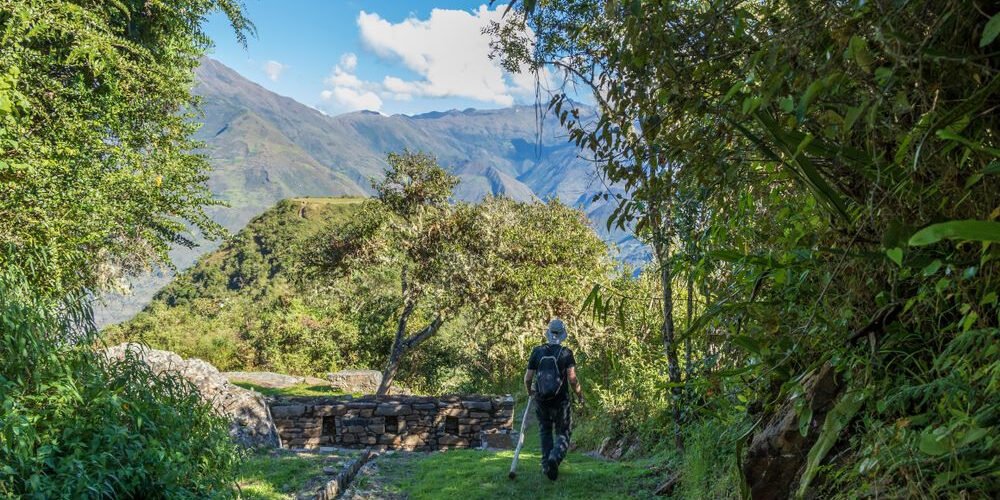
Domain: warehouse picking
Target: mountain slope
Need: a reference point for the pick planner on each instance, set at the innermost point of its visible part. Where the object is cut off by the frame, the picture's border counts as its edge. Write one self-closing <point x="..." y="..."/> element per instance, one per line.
<point x="265" y="148"/>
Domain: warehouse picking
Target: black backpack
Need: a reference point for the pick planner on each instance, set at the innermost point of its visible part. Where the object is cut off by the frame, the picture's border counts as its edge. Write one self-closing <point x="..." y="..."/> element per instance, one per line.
<point x="549" y="379"/>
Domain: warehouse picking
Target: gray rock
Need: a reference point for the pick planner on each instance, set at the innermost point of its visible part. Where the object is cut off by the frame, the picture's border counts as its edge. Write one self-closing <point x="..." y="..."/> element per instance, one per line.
<point x="477" y="405"/>
<point x="352" y="381"/>
<point x="393" y="409"/>
<point x="286" y="411"/>
<point x="251" y="423"/>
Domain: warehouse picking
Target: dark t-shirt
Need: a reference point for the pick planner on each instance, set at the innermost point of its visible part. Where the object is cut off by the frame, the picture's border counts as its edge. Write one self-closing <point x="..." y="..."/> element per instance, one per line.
<point x="565" y="361"/>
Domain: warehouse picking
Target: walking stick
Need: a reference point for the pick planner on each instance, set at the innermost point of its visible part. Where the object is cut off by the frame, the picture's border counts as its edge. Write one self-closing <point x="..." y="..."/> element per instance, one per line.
<point x="520" y="441"/>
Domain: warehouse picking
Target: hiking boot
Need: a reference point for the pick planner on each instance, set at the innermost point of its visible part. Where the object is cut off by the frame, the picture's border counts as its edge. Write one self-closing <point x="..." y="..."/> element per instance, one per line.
<point x="551" y="469"/>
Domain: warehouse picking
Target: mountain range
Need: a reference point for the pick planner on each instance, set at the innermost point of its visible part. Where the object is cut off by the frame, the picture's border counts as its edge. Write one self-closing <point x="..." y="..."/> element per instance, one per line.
<point x="264" y="147"/>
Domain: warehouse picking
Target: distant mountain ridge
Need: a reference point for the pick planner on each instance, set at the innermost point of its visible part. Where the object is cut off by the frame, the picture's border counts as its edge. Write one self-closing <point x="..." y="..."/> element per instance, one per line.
<point x="264" y="147"/>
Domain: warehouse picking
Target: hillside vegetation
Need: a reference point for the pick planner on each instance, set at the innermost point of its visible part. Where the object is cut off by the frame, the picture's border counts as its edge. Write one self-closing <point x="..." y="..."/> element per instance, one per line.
<point x="238" y="304"/>
<point x="264" y="148"/>
<point x="264" y="301"/>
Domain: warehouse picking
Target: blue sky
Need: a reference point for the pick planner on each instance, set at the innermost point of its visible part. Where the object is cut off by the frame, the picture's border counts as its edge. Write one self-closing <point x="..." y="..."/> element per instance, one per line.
<point x="390" y="56"/>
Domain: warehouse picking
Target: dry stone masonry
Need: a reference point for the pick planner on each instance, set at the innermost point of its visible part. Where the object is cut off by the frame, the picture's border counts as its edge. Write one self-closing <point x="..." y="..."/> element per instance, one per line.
<point x="398" y="422"/>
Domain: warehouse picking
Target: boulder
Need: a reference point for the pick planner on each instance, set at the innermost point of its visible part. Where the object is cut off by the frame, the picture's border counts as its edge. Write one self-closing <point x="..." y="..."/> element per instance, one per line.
<point x="251" y="423"/>
<point x="272" y="380"/>
<point x="356" y="381"/>
<point x="778" y="450"/>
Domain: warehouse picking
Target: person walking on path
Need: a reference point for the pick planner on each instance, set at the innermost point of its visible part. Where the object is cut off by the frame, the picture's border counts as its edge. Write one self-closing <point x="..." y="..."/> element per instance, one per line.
<point x="552" y="368"/>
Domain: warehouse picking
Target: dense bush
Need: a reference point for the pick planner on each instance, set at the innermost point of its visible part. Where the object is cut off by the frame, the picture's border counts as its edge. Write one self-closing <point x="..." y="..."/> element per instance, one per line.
<point x="820" y="178"/>
<point x="74" y="424"/>
<point x="98" y="178"/>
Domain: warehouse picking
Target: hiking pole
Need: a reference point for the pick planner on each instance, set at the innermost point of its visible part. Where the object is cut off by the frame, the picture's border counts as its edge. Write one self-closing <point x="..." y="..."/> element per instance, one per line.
<point x="520" y="441"/>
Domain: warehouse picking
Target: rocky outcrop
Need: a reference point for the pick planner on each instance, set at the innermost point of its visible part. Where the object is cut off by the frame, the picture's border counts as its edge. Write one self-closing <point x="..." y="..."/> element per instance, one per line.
<point x="779" y="450"/>
<point x="356" y="381"/>
<point x="251" y="422"/>
<point x="272" y="380"/>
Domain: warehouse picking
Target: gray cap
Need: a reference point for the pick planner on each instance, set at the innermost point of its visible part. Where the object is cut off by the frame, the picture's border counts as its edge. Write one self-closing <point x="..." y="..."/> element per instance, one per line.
<point x="556" y="332"/>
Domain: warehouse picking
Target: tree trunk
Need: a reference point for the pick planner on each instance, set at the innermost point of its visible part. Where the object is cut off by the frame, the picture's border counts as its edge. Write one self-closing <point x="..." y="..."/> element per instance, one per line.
<point x="389" y="373"/>
<point x="688" y="369"/>
<point x="661" y="248"/>
<point x="398" y="346"/>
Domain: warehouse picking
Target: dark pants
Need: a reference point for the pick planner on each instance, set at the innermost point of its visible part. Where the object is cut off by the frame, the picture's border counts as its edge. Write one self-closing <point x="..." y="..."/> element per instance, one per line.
<point x="554" y="418"/>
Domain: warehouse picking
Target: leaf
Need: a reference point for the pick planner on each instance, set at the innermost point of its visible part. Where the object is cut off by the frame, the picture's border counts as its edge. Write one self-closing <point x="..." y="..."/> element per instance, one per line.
<point x="896" y="255"/>
<point x="805" y="418"/>
<point x="974" y="230"/>
<point x="932" y="268"/>
<point x="748" y="344"/>
<point x="836" y="420"/>
<point x="859" y="47"/>
<point x="931" y="445"/>
<point x="992" y="168"/>
<point x="991" y="31"/>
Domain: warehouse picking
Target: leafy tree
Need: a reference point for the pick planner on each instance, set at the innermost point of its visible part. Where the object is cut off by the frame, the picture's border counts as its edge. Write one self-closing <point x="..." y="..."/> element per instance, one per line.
<point x="97" y="169"/>
<point x="502" y="267"/>
<point x="97" y="179"/>
<point x="531" y="262"/>
<point x="824" y="135"/>
<point x="408" y="227"/>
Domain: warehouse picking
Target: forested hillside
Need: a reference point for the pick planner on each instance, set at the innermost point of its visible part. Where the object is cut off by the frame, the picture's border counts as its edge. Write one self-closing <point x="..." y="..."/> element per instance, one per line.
<point x="264" y="148"/>
<point x="257" y="304"/>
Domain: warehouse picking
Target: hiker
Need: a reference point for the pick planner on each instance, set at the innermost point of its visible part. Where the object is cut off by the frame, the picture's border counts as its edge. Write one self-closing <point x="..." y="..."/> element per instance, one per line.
<point x="555" y="369"/>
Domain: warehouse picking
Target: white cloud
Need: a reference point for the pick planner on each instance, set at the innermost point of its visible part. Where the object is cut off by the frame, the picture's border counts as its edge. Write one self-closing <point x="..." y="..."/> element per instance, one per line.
<point x="449" y="53"/>
<point x="353" y="100"/>
<point x="349" y="93"/>
<point x="274" y="69"/>
<point x="349" y="61"/>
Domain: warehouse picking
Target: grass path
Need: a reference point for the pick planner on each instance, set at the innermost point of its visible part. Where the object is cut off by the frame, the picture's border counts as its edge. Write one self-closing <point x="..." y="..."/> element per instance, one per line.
<point x="476" y="474"/>
<point x="283" y="474"/>
<point x="465" y="474"/>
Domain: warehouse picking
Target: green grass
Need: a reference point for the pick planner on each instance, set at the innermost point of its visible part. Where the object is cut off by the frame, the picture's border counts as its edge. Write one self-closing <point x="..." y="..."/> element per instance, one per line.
<point x="471" y="474"/>
<point x="280" y="474"/>
<point x="295" y="390"/>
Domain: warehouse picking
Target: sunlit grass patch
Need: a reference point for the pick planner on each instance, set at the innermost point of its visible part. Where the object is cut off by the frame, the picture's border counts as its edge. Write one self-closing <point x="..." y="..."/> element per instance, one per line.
<point x="281" y="474"/>
<point x="295" y="390"/>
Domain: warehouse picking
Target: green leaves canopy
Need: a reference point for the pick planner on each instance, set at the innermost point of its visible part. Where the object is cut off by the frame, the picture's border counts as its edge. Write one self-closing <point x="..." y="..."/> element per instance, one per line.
<point x="97" y="169"/>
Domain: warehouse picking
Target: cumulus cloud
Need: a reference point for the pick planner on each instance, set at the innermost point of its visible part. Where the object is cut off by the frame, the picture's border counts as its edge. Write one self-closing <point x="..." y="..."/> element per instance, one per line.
<point x="353" y="100"/>
<point x="274" y="69"/>
<point x="348" y="92"/>
<point x="449" y="53"/>
<point x="349" y="61"/>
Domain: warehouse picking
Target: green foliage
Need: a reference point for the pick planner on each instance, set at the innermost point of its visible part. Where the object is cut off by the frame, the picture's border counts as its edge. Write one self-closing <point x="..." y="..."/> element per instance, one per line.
<point x="96" y="168"/>
<point x="97" y="180"/>
<point x="499" y="269"/>
<point x="811" y="159"/>
<point x="74" y="424"/>
<point x="252" y="305"/>
<point x="248" y="305"/>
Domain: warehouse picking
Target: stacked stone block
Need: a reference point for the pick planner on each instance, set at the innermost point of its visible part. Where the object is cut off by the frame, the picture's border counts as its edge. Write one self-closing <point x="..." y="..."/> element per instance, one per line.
<point x="397" y="422"/>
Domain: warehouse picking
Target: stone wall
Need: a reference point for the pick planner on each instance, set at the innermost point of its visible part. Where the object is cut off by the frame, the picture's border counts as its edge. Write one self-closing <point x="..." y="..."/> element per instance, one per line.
<point x="399" y="422"/>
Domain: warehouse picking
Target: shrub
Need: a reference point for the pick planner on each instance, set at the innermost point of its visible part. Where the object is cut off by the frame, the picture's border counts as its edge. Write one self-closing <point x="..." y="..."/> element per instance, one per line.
<point x="74" y="424"/>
